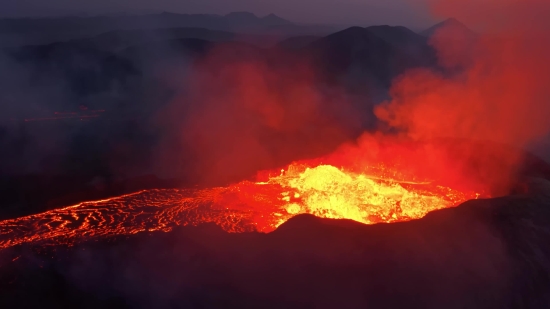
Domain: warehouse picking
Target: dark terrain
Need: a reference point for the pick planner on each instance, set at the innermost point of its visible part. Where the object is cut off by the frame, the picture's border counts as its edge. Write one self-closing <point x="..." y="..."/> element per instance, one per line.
<point x="133" y="76"/>
<point x="93" y="108"/>
<point x="25" y="31"/>
<point x="483" y="254"/>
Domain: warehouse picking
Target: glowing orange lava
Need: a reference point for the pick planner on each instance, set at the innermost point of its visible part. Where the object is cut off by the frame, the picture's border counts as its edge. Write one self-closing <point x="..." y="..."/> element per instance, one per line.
<point x="321" y="190"/>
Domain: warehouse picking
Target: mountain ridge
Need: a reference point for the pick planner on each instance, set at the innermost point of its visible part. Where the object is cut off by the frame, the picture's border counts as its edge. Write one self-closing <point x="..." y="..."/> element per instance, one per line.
<point x="450" y="23"/>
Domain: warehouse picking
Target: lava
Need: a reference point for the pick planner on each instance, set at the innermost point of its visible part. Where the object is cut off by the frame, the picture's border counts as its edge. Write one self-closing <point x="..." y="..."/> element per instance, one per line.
<point x="322" y="190"/>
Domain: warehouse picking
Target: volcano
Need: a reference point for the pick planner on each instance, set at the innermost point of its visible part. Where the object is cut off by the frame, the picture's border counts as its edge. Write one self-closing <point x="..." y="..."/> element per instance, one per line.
<point x="323" y="190"/>
<point x="311" y="188"/>
<point x="372" y="215"/>
<point x="479" y="254"/>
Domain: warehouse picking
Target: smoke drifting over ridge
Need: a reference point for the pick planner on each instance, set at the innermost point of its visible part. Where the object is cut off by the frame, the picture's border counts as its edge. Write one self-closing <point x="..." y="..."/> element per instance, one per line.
<point x="497" y="16"/>
<point x="501" y="91"/>
<point x="239" y="109"/>
<point x="253" y="114"/>
<point x="254" y="109"/>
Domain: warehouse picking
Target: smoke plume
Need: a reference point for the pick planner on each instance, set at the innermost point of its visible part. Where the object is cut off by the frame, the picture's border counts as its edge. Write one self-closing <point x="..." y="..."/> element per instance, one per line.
<point x="245" y="111"/>
<point x="498" y="90"/>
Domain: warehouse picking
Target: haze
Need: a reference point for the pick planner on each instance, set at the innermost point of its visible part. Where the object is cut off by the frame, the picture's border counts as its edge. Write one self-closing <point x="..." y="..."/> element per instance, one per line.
<point x="357" y="12"/>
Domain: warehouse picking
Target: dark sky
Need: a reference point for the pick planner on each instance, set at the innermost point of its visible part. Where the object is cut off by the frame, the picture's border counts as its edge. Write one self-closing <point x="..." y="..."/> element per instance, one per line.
<point x="359" y="12"/>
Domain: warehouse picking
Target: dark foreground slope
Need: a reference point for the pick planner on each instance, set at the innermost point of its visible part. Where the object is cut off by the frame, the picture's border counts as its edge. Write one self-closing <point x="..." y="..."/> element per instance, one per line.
<point x="482" y="254"/>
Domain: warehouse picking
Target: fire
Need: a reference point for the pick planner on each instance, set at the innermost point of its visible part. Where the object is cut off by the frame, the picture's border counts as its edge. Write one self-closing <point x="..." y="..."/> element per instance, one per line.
<point x="322" y="190"/>
<point x="329" y="192"/>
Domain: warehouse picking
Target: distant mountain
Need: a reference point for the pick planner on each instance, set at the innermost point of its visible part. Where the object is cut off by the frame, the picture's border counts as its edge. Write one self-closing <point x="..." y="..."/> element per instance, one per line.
<point x="350" y="42"/>
<point x="398" y="35"/>
<point x="85" y="70"/>
<point x="229" y="22"/>
<point x="297" y="42"/>
<point x="167" y="49"/>
<point x="414" y="45"/>
<point x="241" y="18"/>
<point x="366" y="57"/>
<point x="171" y="52"/>
<point x="27" y="31"/>
<point x="361" y="59"/>
<point x="452" y="35"/>
<point x="457" y="27"/>
<point x="292" y="30"/>
<point x="273" y="19"/>
<point x="246" y="19"/>
<point x="120" y="39"/>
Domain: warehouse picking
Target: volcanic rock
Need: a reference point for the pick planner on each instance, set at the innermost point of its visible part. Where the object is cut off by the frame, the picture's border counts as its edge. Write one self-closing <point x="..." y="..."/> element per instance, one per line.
<point x="483" y="254"/>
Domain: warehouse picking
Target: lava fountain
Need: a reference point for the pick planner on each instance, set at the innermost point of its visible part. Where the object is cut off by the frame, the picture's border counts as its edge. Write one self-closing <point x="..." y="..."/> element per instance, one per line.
<point x="377" y="194"/>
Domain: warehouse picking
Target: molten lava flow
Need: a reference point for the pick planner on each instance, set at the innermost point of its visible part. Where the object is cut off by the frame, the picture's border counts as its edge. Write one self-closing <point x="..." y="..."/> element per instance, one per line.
<point x="322" y="190"/>
<point x="326" y="191"/>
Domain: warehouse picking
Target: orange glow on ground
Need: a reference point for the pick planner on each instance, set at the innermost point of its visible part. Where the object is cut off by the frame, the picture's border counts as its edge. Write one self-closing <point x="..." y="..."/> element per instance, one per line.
<point x="321" y="190"/>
